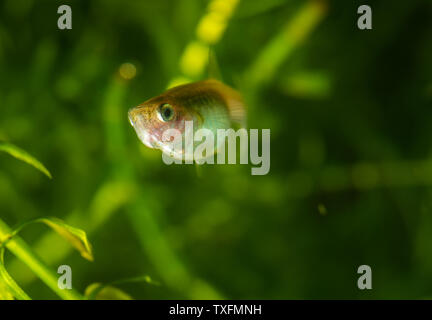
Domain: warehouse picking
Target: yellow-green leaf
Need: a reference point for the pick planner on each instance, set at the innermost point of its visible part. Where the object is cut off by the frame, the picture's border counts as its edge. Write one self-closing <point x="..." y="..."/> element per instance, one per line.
<point x="98" y="291"/>
<point x="23" y="155"/>
<point x="76" y="237"/>
<point x="13" y="289"/>
<point x="5" y="293"/>
<point x="144" y="278"/>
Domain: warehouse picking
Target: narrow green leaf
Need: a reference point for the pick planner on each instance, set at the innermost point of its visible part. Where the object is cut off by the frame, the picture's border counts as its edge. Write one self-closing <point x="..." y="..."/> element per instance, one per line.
<point x="5" y="293"/>
<point x="9" y="239"/>
<point x="145" y="278"/>
<point x="13" y="288"/>
<point x="76" y="237"/>
<point x="22" y="155"/>
<point x="98" y="291"/>
<point x="292" y="35"/>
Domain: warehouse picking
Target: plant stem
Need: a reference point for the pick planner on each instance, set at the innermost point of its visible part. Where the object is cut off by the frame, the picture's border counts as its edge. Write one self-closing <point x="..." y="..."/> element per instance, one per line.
<point x="285" y="42"/>
<point x="23" y="252"/>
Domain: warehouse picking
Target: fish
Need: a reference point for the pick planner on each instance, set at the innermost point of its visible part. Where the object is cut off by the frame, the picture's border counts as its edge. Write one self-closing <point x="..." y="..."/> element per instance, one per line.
<point x="209" y="104"/>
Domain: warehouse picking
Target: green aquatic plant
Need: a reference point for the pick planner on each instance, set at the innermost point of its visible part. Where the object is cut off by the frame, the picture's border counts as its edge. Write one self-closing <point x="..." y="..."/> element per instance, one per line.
<point x="110" y="291"/>
<point x="10" y="240"/>
<point x="135" y="197"/>
<point x="23" y="155"/>
<point x="348" y="111"/>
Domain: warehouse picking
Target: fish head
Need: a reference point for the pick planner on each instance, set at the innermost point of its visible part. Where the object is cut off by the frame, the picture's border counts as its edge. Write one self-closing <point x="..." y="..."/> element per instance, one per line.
<point x="152" y="118"/>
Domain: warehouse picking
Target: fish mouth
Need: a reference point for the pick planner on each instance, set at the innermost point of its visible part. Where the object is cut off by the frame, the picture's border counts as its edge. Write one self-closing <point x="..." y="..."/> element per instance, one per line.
<point x="130" y="117"/>
<point x="137" y="122"/>
<point x="133" y="116"/>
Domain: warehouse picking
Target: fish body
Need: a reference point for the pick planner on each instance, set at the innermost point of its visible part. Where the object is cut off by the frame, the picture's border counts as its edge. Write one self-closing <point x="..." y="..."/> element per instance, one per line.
<point x="209" y="104"/>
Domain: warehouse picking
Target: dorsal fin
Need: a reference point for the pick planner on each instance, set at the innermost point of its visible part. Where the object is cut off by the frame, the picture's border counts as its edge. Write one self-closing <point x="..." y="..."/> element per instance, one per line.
<point x="233" y="100"/>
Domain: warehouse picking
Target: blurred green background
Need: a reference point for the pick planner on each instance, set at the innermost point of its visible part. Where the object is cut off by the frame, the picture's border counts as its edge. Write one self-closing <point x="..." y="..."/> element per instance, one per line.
<point x="351" y="167"/>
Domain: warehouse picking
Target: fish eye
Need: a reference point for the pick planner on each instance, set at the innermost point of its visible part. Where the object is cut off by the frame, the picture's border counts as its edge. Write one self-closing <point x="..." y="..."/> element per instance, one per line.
<point x="166" y="112"/>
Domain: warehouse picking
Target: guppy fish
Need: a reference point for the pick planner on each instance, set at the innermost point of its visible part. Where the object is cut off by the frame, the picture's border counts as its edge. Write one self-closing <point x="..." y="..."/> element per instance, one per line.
<point x="210" y="104"/>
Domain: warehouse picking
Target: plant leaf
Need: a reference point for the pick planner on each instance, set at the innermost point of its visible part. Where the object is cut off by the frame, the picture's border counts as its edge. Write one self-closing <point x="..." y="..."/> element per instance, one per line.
<point x="14" y="289"/>
<point x="5" y="293"/>
<point x="23" y="155"/>
<point x="145" y="278"/>
<point x="76" y="237"/>
<point x="98" y="291"/>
